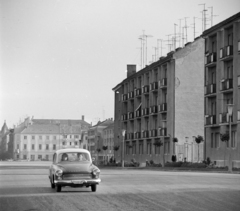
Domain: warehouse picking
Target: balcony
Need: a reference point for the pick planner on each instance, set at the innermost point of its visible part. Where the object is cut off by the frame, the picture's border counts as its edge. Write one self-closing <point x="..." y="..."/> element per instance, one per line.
<point x="224" y="118"/>
<point x="145" y="111"/>
<point x="162" y="107"/>
<point x="210" y="89"/>
<point x="131" y="95"/>
<point x="138" y="113"/>
<point x="238" y="115"/>
<point x="162" y="131"/>
<point x="138" y="92"/>
<point x="162" y="83"/>
<point x="124" y="97"/>
<point x="145" y="89"/>
<point x="153" y="133"/>
<point x="145" y="134"/>
<point x="226" y="53"/>
<point x="239" y="81"/>
<point x="130" y="136"/>
<point x="130" y="115"/>
<point x="124" y="117"/>
<point x="210" y="120"/>
<point x="239" y="46"/>
<point x="153" y="110"/>
<point x="226" y="84"/>
<point x="154" y="86"/>
<point x="210" y="59"/>
<point x="137" y="135"/>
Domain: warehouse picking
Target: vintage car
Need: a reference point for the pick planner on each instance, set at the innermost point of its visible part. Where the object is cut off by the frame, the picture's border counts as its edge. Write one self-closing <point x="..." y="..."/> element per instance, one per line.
<point x="74" y="168"/>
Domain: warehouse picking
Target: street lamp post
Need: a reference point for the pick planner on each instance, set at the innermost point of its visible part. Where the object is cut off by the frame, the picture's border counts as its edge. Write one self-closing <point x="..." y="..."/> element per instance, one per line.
<point x="123" y="134"/>
<point x="230" y="111"/>
<point x="187" y="146"/>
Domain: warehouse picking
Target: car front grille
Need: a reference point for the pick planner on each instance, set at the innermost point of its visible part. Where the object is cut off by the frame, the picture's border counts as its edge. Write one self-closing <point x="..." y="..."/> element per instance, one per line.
<point x="77" y="176"/>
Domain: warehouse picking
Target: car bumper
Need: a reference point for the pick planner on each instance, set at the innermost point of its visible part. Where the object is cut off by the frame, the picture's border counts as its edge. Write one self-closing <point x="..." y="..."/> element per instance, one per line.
<point x="85" y="182"/>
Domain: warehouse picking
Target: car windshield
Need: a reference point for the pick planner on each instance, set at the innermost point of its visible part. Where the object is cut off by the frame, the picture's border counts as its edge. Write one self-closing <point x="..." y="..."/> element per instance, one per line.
<point x="73" y="157"/>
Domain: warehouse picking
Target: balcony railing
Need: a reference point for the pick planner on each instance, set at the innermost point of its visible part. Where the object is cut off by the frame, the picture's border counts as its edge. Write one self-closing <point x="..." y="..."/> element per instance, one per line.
<point x="130" y="115"/>
<point x="162" y="107"/>
<point x="162" y="83"/>
<point x="145" y="89"/>
<point x="223" y="117"/>
<point x="145" y="134"/>
<point x="210" y="89"/>
<point x="145" y="111"/>
<point x="154" y="86"/>
<point x="137" y="135"/>
<point x="131" y="95"/>
<point x="238" y="115"/>
<point x="138" y="92"/>
<point x="130" y="136"/>
<point x="162" y="131"/>
<point x="138" y="113"/>
<point x="124" y="117"/>
<point x="239" y="80"/>
<point x="124" y="97"/>
<point x="226" y="84"/>
<point x="153" y="133"/>
<point x="226" y="52"/>
<point x="153" y="109"/>
<point x="210" y="58"/>
<point x="210" y="120"/>
<point x="239" y="46"/>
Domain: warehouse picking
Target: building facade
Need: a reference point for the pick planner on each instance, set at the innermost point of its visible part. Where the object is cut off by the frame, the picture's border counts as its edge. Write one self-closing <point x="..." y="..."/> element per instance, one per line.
<point x="38" y="139"/>
<point x="108" y="142"/>
<point x="165" y="100"/>
<point x="222" y="87"/>
<point x="96" y="140"/>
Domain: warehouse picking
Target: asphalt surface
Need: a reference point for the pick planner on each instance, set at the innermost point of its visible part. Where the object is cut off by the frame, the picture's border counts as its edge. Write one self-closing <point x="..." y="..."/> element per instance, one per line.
<point x="26" y="187"/>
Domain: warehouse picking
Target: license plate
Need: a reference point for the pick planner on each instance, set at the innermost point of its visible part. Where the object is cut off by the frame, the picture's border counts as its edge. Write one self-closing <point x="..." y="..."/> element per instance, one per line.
<point x="77" y="181"/>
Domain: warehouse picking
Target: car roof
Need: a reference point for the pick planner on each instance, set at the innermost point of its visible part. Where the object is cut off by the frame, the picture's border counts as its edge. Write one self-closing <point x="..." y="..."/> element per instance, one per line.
<point x="72" y="150"/>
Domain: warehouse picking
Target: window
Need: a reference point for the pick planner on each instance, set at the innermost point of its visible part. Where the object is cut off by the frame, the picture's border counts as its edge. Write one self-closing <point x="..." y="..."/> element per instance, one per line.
<point x="25" y="146"/>
<point x="212" y="139"/>
<point x="55" y="137"/>
<point x="17" y="146"/>
<point x="47" y="157"/>
<point x="217" y="140"/>
<point x="70" y="136"/>
<point x="25" y="137"/>
<point x="149" y="147"/>
<point x="140" y="147"/>
<point x="40" y="146"/>
<point x="47" y="146"/>
<point x="33" y="137"/>
<point x="75" y="136"/>
<point x="32" y="146"/>
<point x="127" y="148"/>
<point x="40" y="157"/>
<point x="64" y="136"/>
<point x="76" y="143"/>
<point x="63" y="143"/>
<point x="47" y="137"/>
<point x="54" y="146"/>
<point x="24" y="157"/>
<point x="40" y="137"/>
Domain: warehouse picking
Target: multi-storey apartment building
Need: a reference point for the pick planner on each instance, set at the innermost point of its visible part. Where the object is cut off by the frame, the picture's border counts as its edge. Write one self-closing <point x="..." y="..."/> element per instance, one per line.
<point x="38" y="139"/>
<point x="222" y="87"/>
<point x="165" y="100"/>
<point x="108" y="142"/>
<point x="96" y="139"/>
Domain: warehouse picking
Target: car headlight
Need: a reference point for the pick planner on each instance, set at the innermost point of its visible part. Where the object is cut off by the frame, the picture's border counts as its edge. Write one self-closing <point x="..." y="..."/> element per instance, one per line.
<point x="96" y="173"/>
<point x="59" y="172"/>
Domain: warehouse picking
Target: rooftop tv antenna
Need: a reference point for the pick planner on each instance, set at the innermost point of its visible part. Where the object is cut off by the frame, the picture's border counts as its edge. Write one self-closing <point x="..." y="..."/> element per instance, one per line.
<point x="174" y="40"/>
<point x="141" y="49"/>
<point x="186" y="27"/>
<point x="146" y="36"/>
<point x="212" y="16"/>
<point x="158" y="46"/>
<point x="203" y="17"/>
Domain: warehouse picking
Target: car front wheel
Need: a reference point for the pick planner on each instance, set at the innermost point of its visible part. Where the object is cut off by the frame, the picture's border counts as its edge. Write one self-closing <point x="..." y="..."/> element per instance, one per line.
<point x="94" y="188"/>
<point x="59" y="188"/>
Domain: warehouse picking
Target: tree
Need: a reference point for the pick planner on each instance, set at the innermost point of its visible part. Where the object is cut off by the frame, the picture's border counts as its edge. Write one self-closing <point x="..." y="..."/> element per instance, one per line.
<point x="104" y="149"/>
<point x="116" y="148"/>
<point x="224" y="138"/>
<point x="198" y="140"/>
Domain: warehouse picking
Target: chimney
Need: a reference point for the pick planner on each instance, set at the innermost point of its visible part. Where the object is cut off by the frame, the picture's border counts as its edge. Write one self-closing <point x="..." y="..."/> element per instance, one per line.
<point x="82" y="117"/>
<point x="131" y="69"/>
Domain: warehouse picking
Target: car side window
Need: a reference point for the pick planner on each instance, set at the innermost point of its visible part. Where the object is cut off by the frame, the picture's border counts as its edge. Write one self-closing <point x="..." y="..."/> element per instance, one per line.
<point x="54" y="158"/>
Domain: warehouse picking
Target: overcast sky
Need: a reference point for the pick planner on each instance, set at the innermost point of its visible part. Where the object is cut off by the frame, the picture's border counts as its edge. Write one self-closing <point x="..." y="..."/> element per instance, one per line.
<point x="61" y="58"/>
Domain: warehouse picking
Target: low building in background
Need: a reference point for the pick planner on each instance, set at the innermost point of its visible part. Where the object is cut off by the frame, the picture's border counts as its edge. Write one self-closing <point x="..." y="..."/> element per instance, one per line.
<point x="108" y="143"/>
<point x="96" y="140"/>
<point x="38" y="139"/>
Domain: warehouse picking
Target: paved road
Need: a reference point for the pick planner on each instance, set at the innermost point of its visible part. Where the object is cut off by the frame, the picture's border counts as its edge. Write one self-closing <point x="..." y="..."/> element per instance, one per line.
<point x="23" y="188"/>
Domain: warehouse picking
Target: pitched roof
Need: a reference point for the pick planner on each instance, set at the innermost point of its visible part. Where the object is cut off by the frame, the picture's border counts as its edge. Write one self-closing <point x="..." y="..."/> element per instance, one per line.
<point x="41" y="129"/>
